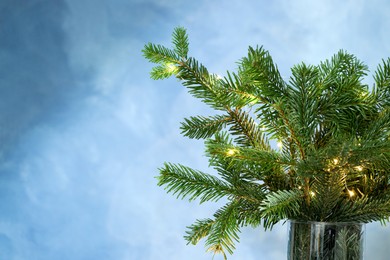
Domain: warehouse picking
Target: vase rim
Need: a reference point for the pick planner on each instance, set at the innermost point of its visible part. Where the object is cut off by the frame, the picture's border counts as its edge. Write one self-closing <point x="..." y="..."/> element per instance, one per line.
<point x="339" y="223"/>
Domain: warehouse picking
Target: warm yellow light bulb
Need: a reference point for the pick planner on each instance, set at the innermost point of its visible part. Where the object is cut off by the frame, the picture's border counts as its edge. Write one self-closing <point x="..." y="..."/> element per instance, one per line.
<point x="231" y="152"/>
<point x="351" y="193"/>
<point x="170" y="67"/>
<point x="312" y="193"/>
<point x="335" y="161"/>
<point x="359" y="168"/>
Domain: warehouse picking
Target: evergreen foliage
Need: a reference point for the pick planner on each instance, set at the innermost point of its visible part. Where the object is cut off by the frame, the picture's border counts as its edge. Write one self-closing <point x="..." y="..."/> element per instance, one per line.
<point x="333" y="155"/>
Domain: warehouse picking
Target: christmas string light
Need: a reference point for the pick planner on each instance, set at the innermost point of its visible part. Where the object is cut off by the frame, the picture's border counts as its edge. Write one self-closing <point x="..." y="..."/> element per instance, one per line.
<point x="359" y="168"/>
<point x="231" y="152"/>
<point x="351" y="193"/>
<point x="170" y="67"/>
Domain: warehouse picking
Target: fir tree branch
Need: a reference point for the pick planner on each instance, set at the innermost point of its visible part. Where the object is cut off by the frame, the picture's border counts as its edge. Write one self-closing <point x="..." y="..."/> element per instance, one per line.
<point x="200" y="229"/>
<point x="328" y="189"/>
<point x="201" y="83"/>
<point x="302" y="105"/>
<point x="247" y="155"/>
<point x="225" y="229"/>
<point x="163" y="71"/>
<point x="382" y="87"/>
<point x="157" y="53"/>
<point x="364" y="210"/>
<point x="221" y="94"/>
<point x="245" y="187"/>
<point x="259" y="69"/>
<point x="246" y="130"/>
<point x="249" y="214"/>
<point x="180" y="42"/>
<point x="237" y="92"/>
<point x="200" y="127"/>
<point x="379" y="126"/>
<point x="281" y="204"/>
<point x="291" y="130"/>
<point x="342" y="72"/>
<point x="186" y="182"/>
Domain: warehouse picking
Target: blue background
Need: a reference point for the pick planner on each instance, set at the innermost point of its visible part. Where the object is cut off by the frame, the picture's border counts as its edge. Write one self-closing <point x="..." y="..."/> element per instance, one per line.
<point x="83" y="129"/>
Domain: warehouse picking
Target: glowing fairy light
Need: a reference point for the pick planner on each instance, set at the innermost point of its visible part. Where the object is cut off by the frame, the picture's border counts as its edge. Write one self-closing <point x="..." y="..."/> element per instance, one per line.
<point x="170" y="67"/>
<point x="218" y="76"/>
<point x="363" y="93"/>
<point x="312" y="193"/>
<point x="231" y="152"/>
<point x="335" y="161"/>
<point x="359" y="168"/>
<point x="351" y="193"/>
<point x="253" y="99"/>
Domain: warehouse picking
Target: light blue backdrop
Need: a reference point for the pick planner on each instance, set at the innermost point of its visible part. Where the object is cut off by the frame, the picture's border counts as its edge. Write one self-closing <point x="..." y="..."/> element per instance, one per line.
<point x="83" y="129"/>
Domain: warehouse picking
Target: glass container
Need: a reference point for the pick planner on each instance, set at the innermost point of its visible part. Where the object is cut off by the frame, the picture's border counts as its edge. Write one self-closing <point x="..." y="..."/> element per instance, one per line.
<point x="325" y="240"/>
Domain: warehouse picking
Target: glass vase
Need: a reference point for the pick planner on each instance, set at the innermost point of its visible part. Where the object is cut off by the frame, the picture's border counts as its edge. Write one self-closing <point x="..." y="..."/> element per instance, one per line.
<point x="325" y="241"/>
